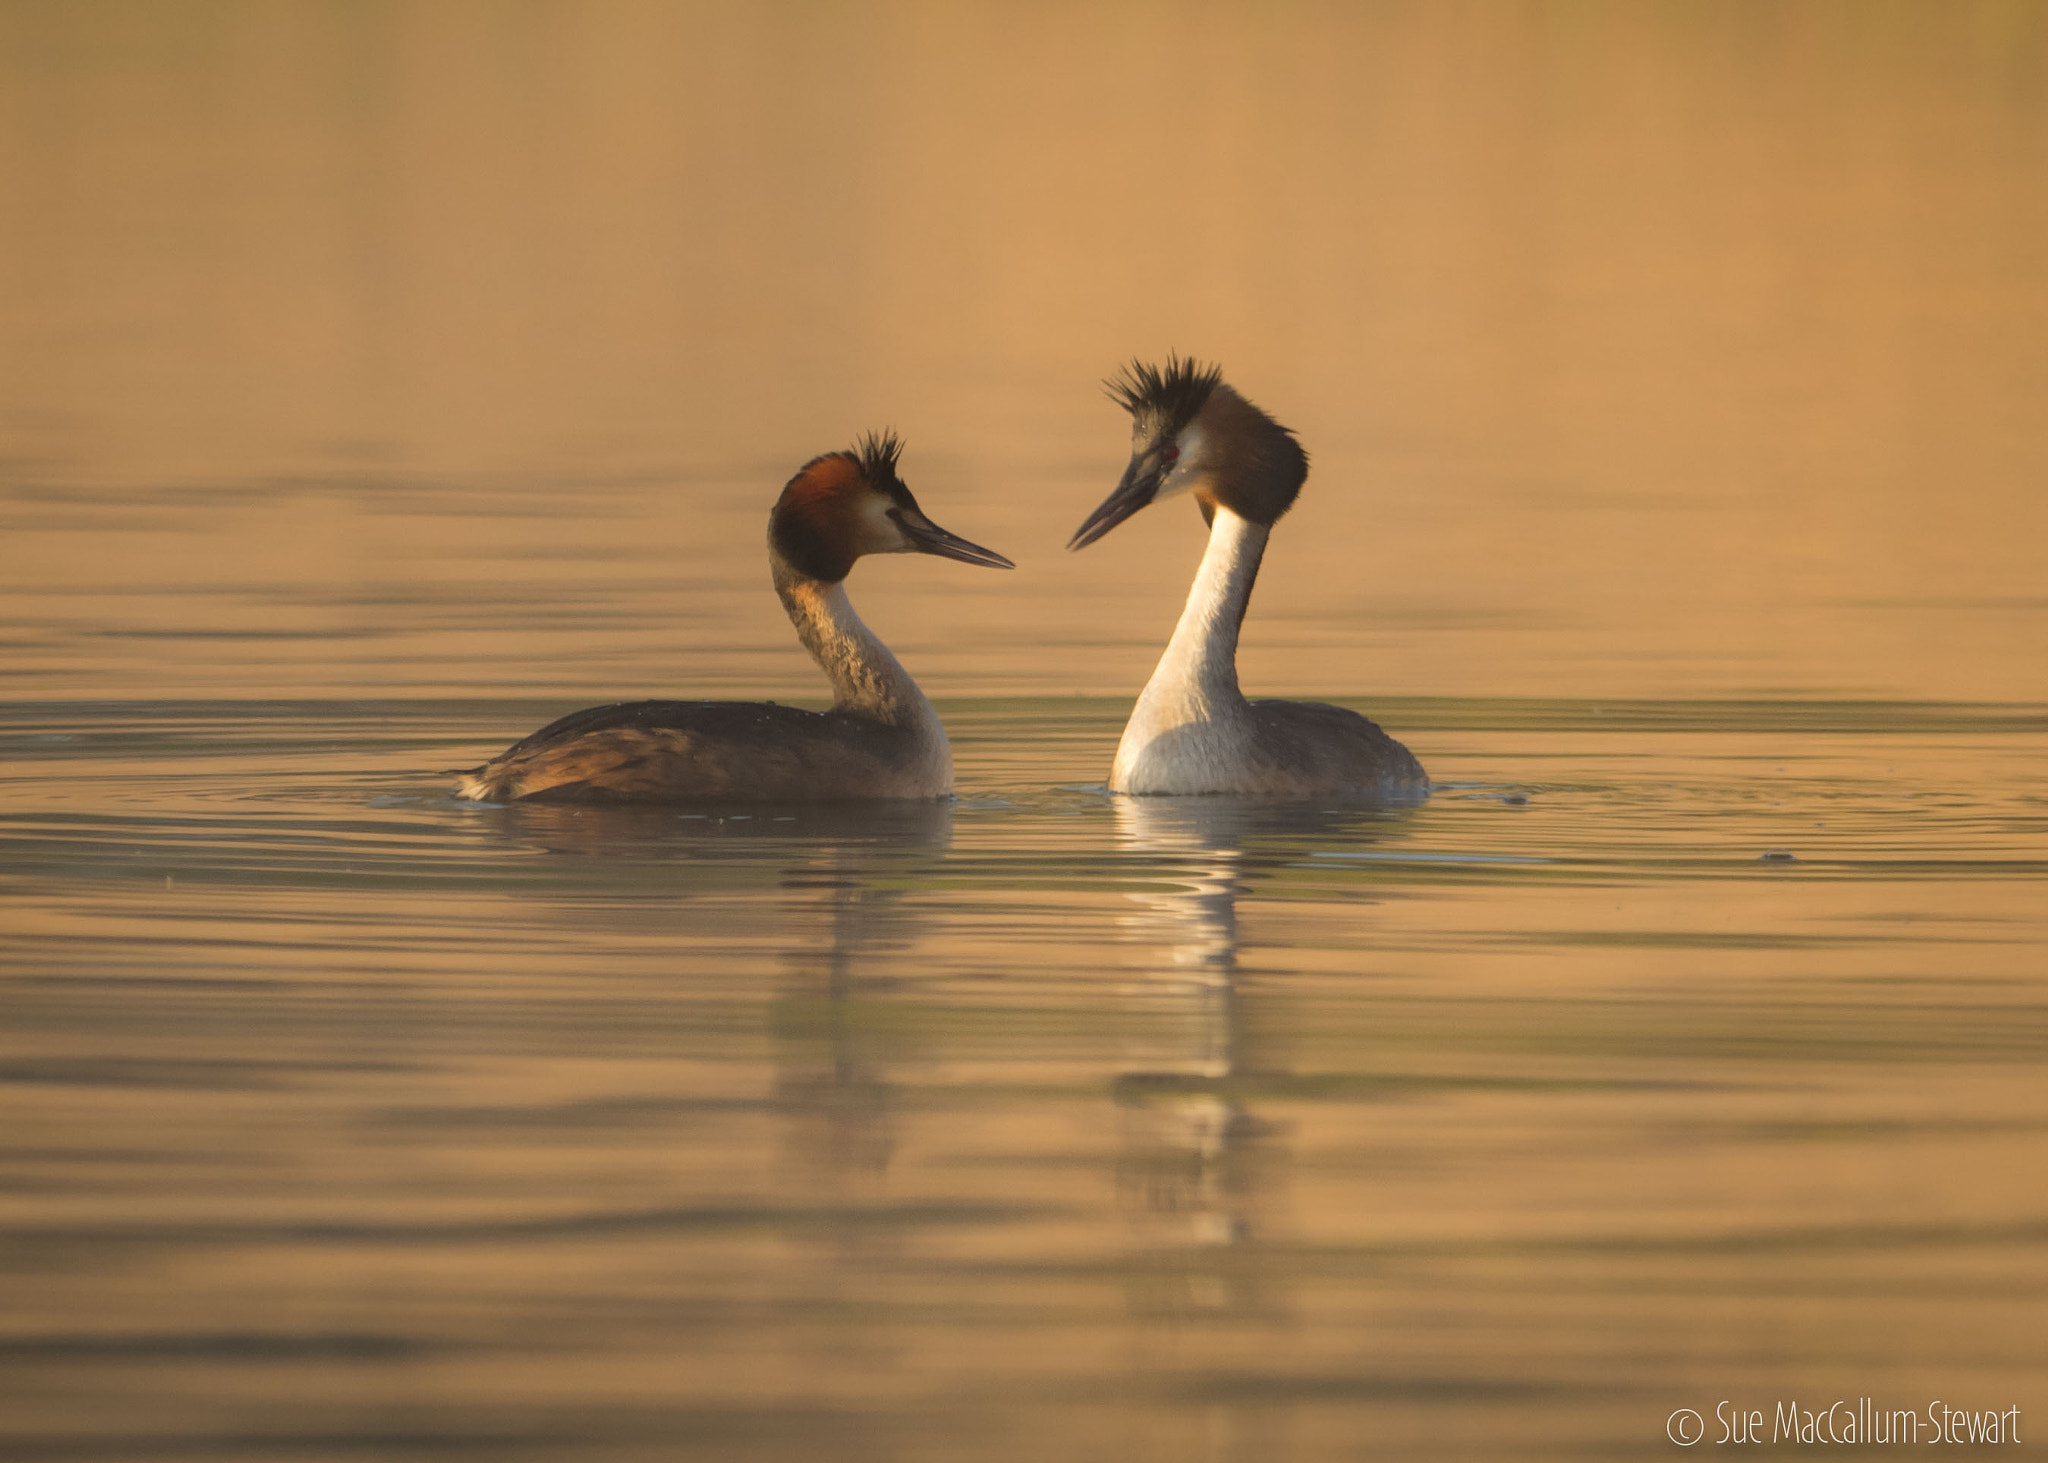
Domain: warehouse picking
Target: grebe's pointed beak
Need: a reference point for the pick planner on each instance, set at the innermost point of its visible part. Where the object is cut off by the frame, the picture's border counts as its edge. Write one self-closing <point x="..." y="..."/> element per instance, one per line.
<point x="1138" y="488"/>
<point x="926" y="537"/>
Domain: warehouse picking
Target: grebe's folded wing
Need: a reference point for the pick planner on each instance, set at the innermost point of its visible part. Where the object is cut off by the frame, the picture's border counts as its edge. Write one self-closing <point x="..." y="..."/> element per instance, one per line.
<point x="725" y="720"/>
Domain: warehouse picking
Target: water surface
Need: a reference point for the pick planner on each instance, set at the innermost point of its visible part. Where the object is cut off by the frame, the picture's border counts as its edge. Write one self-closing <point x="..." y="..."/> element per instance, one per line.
<point x="380" y="383"/>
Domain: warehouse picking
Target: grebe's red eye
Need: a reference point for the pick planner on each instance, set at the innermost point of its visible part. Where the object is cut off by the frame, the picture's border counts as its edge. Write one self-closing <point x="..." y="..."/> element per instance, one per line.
<point x="1171" y="454"/>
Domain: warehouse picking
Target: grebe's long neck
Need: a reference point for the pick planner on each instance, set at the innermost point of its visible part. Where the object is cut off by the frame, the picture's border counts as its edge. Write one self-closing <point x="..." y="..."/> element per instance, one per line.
<point x="1196" y="678"/>
<point x="866" y="679"/>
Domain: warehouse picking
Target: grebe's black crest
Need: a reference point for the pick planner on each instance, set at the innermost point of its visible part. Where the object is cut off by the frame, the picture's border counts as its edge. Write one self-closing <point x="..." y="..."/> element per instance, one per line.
<point x="877" y="453"/>
<point x="1162" y="402"/>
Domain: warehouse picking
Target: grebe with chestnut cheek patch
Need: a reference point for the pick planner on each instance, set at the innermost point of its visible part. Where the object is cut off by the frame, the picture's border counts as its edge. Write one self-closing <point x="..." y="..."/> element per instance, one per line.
<point x="881" y="738"/>
<point x="1192" y="730"/>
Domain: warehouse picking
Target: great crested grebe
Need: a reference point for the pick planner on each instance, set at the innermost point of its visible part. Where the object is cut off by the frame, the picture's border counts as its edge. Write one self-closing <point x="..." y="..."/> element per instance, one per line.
<point x="881" y="739"/>
<point x="1192" y="730"/>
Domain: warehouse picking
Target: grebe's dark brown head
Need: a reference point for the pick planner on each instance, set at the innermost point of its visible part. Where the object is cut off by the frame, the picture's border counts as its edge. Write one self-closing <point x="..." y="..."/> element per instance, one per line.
<point x="845" y="504"/>
<point x="1190" y="433"/>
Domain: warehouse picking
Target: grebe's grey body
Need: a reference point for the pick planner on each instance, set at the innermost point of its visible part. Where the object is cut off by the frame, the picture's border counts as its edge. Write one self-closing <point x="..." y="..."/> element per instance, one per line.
<point x="881" y="739"/>
<point x="1192" y="730"/>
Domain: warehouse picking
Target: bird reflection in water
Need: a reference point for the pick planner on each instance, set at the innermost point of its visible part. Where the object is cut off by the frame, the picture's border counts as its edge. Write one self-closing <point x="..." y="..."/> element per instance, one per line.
<point x="847" y="926"/>
<point x="830" y="1063"/>
<point x="822" y="890"/>
<point x="835" y="872"/>
<point x="1201" y="1174"/>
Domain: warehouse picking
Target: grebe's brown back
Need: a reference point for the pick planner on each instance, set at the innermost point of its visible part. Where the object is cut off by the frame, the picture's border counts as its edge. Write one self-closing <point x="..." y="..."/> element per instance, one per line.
<point x="1192" y="730"/>
<point x="881" y="739"/>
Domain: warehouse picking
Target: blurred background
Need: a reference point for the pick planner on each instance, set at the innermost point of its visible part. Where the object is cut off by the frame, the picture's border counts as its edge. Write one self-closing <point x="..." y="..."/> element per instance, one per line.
<point x="1668" y="348"/>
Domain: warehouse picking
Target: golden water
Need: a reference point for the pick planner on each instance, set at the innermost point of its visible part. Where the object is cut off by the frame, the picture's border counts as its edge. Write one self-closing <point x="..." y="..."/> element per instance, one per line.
<point x="379" y="382"/>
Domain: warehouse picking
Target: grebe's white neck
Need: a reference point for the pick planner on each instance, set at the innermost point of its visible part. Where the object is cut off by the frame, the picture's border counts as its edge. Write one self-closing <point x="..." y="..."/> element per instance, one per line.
<point x="866" y="679"/>
<point x="1191" y="711"/>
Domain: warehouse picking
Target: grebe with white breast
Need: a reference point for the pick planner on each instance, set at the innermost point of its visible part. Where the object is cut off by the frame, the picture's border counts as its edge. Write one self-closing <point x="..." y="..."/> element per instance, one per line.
<point x="881" y="739"/>
<point x="1192" y="730"/>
